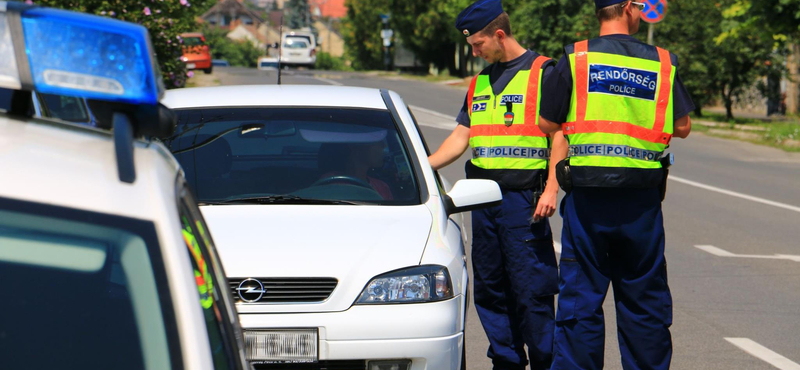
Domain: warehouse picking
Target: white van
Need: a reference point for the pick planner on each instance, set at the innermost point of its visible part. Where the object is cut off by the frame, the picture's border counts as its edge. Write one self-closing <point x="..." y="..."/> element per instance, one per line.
<point x="299" y="48"/>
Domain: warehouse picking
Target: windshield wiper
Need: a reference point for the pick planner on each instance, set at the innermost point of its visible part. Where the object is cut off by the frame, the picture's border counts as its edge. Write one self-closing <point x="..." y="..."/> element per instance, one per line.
<point x="283" y="199"/>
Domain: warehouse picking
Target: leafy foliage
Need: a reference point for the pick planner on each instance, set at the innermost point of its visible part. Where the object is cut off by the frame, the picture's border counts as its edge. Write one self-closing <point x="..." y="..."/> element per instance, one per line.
<point x="165" y="19"/>
<point x="361" y="32"/>
<point x="557" y="23"/>
<point x="298" y="14"/>
<point x="238" y="53"/>
<point x="327" y="62"/>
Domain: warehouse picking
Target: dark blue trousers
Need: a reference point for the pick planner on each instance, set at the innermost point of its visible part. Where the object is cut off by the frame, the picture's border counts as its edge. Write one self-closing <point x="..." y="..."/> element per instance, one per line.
<point x="613" y="235"/>
<point x="515" y="280"/>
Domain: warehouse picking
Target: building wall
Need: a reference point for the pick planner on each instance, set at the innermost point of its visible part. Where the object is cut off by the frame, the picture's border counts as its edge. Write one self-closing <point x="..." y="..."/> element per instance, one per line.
<point x="332" y="43"/>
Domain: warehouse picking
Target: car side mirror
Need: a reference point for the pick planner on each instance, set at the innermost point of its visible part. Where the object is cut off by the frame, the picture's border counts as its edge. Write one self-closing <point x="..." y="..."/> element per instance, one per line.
<point x="472" y="194"/>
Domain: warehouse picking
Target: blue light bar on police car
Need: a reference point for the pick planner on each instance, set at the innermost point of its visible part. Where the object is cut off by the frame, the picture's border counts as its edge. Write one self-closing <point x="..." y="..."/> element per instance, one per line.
<point x="82" y="55"/>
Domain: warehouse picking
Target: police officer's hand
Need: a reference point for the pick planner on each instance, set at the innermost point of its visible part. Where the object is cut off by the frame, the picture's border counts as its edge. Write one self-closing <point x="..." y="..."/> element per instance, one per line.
<point x="547" y="204"/>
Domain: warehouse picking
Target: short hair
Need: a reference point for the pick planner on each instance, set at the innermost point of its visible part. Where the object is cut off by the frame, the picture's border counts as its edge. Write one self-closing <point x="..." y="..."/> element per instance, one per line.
<point x="502" y="22"/>
<point x="611" y="12"/>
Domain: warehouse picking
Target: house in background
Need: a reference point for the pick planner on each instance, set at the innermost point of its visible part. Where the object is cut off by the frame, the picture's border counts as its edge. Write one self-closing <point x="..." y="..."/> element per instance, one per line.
<point x="230" y="13"/>
<point x="243" y="23"/>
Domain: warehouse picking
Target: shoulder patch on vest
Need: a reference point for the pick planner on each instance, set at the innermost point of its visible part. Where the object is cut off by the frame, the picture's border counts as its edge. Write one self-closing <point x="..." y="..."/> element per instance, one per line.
<point x="478" y="107"/>
<point x="628" y="82"/>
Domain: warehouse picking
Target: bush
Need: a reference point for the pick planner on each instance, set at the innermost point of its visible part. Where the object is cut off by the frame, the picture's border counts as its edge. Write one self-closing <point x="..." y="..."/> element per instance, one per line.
<point x="238" y="53"/>
<point x="329" y="63"/>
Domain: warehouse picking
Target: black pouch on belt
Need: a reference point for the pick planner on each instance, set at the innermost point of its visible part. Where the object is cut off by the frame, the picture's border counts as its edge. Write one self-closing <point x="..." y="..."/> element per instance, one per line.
<point x="666" y="162"/>
<point x="563" y="175"/>
<point x="537" y="194"/>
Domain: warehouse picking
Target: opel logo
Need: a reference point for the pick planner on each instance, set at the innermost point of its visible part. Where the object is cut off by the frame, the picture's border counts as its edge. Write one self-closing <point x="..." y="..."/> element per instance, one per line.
<point x="250" y="290"/>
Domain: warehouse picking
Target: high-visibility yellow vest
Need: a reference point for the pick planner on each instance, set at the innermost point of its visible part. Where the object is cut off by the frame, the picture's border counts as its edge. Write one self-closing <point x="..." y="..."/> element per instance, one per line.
<point x="620" y="119"/>
<point x="507" y="145"/>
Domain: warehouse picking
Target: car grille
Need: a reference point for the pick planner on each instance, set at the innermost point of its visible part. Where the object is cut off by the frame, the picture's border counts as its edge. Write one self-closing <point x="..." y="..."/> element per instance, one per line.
<point x="290" y="290"/>
<point x="322" y="365"/>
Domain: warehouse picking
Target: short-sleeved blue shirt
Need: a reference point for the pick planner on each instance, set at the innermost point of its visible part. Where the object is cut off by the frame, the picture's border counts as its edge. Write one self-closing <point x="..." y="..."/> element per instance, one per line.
<point x="558" y="86"/>
<point x="500" y="74"/>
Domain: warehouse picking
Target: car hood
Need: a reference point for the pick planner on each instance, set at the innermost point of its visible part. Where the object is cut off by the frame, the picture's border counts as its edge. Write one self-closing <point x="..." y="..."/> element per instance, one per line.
<point x="352" y="244"/>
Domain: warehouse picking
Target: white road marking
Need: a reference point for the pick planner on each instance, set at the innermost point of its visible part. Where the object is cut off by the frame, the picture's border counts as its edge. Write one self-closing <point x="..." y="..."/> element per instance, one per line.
<point x="735" y="194"/>
<point x="432" y="112"/>
<point x="723" y="253"/>
<point x="764" y="353"/>
<point x="329" y="81"/>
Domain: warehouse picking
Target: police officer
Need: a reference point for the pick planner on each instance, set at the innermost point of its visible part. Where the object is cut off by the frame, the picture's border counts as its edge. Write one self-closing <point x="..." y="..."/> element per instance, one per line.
<point x="514" y="265"/>
<point x="618" y="102"/>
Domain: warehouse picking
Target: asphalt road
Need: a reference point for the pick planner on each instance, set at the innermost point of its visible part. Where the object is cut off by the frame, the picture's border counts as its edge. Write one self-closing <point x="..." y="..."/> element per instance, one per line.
<point x="733" y="236"/>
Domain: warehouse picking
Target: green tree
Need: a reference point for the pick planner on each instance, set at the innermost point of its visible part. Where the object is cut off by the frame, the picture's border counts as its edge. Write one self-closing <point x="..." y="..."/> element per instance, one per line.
<point x="556" y="23"/>
<point x="238" y="53"/>
<point x="165" y="20"/>
<point x="779" y="17"/>
<point x="426" y="28"/>
<point x="361" y="32"/>
<point x="689" y="30"/>
<point x="298" y="14"/>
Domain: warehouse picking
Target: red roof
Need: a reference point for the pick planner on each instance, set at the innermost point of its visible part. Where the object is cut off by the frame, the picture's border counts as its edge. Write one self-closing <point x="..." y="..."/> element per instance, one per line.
<point x="329" y="8"/>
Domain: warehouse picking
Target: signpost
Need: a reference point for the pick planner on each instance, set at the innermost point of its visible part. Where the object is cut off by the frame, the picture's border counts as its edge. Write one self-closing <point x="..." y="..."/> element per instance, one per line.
<point x="386" y="35"/>
<point x="654" y="11"/>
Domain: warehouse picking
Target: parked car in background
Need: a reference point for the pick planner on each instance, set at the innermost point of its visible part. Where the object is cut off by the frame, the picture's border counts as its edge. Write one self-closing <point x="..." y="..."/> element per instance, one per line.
<point x="220" y="63"/>
<point x="105" y="259"/>
<point x="268" y="64"/>
<point x="195" y="52"/>
<point x="299" y="49"/>
<point x="338" y="238"/>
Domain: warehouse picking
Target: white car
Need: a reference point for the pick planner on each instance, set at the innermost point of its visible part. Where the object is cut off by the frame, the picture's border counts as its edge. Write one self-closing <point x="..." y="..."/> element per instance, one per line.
<point x="298" y="48"/>
<point x="105" y="260"/>
<point x="268" y="64"/>
<point x="340" y="241"/>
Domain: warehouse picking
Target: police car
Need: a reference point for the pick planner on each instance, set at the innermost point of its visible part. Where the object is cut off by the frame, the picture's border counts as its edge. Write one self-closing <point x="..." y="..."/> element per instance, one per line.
<point x="341" y="243"/>
<point x="105" y="260"/>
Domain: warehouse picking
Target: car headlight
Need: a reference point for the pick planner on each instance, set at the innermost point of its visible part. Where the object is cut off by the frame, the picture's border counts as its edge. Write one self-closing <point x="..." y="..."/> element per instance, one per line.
<point x="410" y="285"/>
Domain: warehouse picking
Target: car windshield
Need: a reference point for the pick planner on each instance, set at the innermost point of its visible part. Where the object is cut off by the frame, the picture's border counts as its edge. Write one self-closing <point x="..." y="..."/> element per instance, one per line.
<point x="193" y="41"/>
<point x="86" y="288"/>
<point x="295" y="43"/>
<point x="294" y="155"/>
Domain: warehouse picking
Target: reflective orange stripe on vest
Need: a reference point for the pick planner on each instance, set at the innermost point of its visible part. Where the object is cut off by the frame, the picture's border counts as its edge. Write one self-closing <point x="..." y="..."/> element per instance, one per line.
<point x="529" y="127"/>
<point x="470" y="93"/>
<point x="582" y="126"/>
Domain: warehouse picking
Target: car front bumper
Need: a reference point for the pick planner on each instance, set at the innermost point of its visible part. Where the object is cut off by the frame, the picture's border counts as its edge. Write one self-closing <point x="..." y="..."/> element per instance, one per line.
<point x="428" y="334"/>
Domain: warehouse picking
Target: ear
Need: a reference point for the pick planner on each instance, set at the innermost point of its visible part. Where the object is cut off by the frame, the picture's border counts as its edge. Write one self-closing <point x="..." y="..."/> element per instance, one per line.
<point x="501" y="35"/>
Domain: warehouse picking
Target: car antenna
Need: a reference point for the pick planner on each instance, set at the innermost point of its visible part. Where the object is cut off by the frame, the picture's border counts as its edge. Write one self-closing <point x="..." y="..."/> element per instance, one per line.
<point x="280" y="47"/>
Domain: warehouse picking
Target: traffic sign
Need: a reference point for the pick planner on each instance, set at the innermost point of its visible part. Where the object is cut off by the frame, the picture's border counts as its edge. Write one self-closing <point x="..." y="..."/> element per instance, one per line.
<point x="654" y="10"/>
<point x="387" y="34"/>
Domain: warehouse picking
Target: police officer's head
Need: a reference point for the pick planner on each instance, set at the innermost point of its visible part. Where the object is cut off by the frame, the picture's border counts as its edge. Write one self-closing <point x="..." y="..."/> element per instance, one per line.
<point x="627" y="12"/>
<point x="486" y="27"/>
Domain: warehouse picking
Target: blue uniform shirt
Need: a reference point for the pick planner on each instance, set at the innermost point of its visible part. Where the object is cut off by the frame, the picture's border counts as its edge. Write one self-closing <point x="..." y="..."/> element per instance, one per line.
<point x="558" y="87"/>
<point x="500" y="74"/>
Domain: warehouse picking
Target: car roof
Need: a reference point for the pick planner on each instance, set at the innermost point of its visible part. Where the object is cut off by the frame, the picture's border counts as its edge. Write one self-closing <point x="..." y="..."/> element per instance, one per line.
<point x="75" y="166"/>
<point x="274" y="96"/>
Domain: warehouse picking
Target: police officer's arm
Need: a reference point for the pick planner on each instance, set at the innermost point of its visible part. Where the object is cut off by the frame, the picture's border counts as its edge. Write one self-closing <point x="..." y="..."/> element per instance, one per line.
<point x="452" y="148"/>
<point x="682" y="127"/>
<point x="549" y="199"/>
<point x="548" y="127"/>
